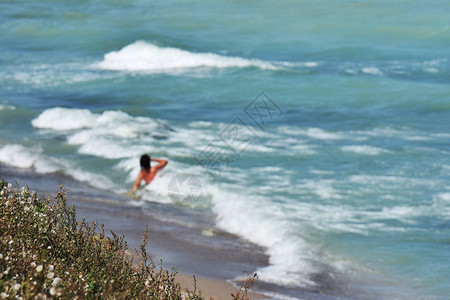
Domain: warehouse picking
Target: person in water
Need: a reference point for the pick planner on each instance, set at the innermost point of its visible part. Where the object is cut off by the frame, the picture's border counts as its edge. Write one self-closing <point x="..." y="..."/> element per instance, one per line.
<point x="147" y="172"/>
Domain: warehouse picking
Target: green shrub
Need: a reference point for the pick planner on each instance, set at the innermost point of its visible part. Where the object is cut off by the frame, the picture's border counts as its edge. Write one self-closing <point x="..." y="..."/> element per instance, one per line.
<point x="45" y="252"/>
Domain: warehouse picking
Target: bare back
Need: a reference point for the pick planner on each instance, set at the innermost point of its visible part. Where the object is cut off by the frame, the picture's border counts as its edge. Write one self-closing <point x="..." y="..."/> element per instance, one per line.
<point x="149" y="175"/>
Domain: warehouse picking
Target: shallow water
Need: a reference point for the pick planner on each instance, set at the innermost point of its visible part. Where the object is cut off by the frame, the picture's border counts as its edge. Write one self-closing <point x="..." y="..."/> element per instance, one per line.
<point x="345" y="171"/>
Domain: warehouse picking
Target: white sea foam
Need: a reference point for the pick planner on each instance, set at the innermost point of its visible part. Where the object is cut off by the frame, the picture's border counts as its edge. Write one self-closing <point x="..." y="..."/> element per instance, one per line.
<point x="315" y="133"/>
<point x="46" y="75"/>
<point x="19" y="156"/>
<point x="321" y="172"/>
<point x="372" y="71"/>
<point x="291" y="146"/>
<point x="146" y="57"/>
<point x="291" y="260"/>
<point x="106" y="135"/>
<point x="115" y="134"/>
<point x="311" y="64"/>
<point x="59" y="118"/>
<point x="322" y="188"/>
<point x="348" y="219"/>
<point x="431" y="70"/>
<point x="278" y="225"/>
<point x="441" y="204"/>
<point x="302" y="149"/>
<point x="445" y="197"/>
<point x="7" y="107"/>
<point x="399" y="212"/>
<point x="321" y="134"/>
<point x="364" y="149"/>
<point x="403" y="133"/>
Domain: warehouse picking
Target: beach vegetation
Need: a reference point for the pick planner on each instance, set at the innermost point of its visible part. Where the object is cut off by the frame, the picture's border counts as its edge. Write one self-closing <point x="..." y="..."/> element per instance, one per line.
<point x="45" y="252"/>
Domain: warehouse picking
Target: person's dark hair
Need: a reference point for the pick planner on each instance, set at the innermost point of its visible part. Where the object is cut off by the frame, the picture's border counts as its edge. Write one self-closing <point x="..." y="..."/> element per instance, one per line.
<point x="145" y="162"/>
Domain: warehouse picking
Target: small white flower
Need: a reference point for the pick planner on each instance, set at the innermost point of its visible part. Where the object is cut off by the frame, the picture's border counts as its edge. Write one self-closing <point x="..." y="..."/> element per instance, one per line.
<point x="51" y="268"/>
<point x="11" y="241"/>
<point x="4" y="295"/>
<point x="1" y="255"/>
<point x="56" y="281"/>
<point x="16" y="286"/>
<point x="39" y="268"/>
<point x="2" y="193"/>
<point x="26" y="208"/>
<point x="49" y="247"/>
<point x="9" y="185"/>
<point x="50" y="275"/>
<point x="53" y="291"/>
<point x="33" y="265"/>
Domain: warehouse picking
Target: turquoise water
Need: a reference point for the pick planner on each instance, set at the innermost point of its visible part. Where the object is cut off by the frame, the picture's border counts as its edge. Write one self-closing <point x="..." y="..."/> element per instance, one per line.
<point x="348" y="177"/>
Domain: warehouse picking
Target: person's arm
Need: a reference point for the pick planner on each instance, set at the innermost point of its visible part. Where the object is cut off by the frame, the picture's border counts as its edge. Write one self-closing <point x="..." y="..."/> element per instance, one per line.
<point x="138" y="181"/>
<point x="162" y="163"/>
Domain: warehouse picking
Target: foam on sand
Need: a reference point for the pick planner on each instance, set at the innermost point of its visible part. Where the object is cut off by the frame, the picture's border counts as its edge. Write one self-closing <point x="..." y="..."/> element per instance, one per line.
<point x="146" y="57"/>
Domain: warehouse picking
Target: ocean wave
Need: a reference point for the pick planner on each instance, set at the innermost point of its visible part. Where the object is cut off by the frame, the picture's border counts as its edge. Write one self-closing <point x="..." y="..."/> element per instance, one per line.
<point x="105" y="135"/>
<point x="292" y="260"/>
<point x="116" y="134"/>
<point x="61" y="119"/>
<point x="146" y="57"/>
<point x="20" y="156"/>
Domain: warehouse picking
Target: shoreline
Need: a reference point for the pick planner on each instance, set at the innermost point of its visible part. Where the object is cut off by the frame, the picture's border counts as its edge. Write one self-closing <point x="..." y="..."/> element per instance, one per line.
<point x="182" y="239"/>
<point x="217" y="260"/>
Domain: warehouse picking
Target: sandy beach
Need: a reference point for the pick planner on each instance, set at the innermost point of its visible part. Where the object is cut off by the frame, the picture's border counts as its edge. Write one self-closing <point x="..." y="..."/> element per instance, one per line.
<point x="216" y="260"/>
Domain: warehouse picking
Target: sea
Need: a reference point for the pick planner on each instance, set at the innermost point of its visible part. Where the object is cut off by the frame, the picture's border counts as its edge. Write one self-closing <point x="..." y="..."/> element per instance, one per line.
<point x="318" y="130"/>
